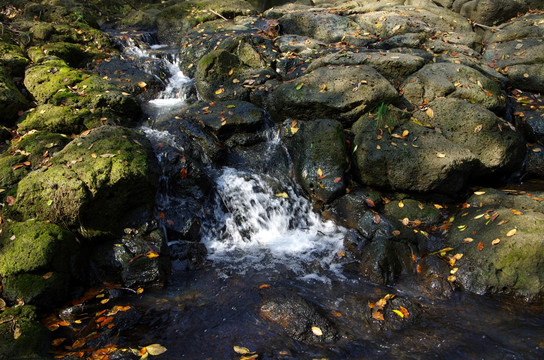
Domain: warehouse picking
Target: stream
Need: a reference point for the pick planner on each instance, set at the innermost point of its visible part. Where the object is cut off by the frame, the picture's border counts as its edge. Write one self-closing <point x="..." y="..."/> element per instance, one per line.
<point x="258" y="237"/>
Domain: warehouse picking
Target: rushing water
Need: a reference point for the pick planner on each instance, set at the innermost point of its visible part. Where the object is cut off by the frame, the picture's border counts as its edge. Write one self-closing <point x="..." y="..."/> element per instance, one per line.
<point x="256" y="237"/>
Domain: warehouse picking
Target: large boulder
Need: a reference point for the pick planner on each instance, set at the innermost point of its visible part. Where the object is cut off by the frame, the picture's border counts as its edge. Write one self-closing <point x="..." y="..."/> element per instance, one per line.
<point x="12" y="59"/>
<point x="21" y="334"/>
<point x="57" y="119"/>
<point x="318" y="150"/>
<point x="422" y="160"/>
<point x="96" y="183"/>
<point x="490" y="12"/>
<point x="497" y="146"/>
<point x="502" y="250"/>
<point x="454" y="81"/>
<point x="343" y="93"/>
<point x="322" y="26"/>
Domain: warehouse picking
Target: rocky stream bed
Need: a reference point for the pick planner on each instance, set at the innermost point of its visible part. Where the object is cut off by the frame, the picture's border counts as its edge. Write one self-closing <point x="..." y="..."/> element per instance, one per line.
<point x="271" y="180"/>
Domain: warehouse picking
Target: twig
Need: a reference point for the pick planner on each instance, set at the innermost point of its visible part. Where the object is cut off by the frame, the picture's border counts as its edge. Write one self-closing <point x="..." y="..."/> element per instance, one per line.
<point x="474" y="23"/>
<point x="218" y="14"/>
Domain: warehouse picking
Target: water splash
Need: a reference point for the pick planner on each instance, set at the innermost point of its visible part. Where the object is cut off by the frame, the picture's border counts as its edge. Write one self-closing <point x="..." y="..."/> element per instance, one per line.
<point x="257" y="228"/>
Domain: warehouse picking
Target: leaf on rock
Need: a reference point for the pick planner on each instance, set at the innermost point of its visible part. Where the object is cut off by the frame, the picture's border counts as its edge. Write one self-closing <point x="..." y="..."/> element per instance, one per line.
<point x="142" y="84"/>
<point x="299" y="86"/>
<point x="399" y="313"/>
<point x="511" y="232"/>
<point x="479" y="192"/>
<point x="241" y="350"/>
<point x="219" y="91"/>
<point x="370" y="203"/>
<point x="516" y="212"/>
<point x="478" y="128"/>
<point x="440" y="155"/>
<point x="337" y="180"/>
<point x="378" y="315"/>
<point x="496" y="241"/>
<point x="480" y="246"/>
<point x="283" y="195"/>
<point x="430" y="113"/>
<point x="151" y="254"/>
<point x="47" y="275"/>
<point x="317" y="331"/>
<point x="404" y="311"/>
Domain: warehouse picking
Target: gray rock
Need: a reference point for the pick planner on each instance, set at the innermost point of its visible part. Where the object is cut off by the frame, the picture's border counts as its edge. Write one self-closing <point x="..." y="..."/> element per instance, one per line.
<point x="535" y="162"/>
<point x="490" y="12"/>
<point x="454" y="81"/>
<point x="11" y="100"/>
<point x="321" y="26"/>
<point x="343" y="93"/>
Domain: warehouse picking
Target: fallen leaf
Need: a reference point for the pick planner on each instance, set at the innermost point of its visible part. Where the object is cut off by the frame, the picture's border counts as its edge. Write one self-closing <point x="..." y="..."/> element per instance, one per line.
<point x="142" y="84"/>
<point x="241" y="350"/>
<point x="401" y="204"/>
<point x="451" y="278"/>
<point x="283" y="195"/>
<point x="479" y="192"/>
<point x="317" y="331"/>
<point x="299" y="86"/>
<point x="47" y="275"/>
<point x="511" y="232"/>
<point x="377" y="219"/>
<point x="395" y="232"/>
<point x="336" y="313"/>
<point x="405" y="133"/>
<point x="249" y="357"/>
<point x="219" y="91"/>
<point x="183" y="173"/>
<point x="399" y="313"/>
<point x="405" y="221"/>
<point x="404" y="311"/>
<point x="480" y="246"/>
<point x="496" y="241"/>
<point x="263" y="286"/>
<point x="155" y="349"/>
<point x="478" y="128"/>
<point x="370" y="202"/>
<point x="107" y="155"/>
<point x="378" y="315"/>
<point x="337" y="180"/>
<point x="440" y="155"/>
<point x="231" y="71"/>
<point x="17" y="332"/>
<point x="57" y="342"/>
<point x="78" y="343"/>
<point x="516" y="212"/>
<point x="502" y="222"/>
<point x="430" y="113"/>
<point x="151" y="254"/>
<point x="139" y="290"/>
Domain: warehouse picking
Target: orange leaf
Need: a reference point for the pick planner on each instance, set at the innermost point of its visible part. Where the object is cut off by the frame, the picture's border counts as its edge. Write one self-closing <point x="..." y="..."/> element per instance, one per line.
<point x="418" y="269"/>
<point x="516" y="212"/>
<point x="78" y="343"/>
<point x="263" y="286"/>
<point x="337" y="180"/>
<point x="183" y="173"/>
<point x="18" y="166"/>
<point x="496" y="241"/>
<point x="64" y="323"/>
<point x="151" y="254"/>
<point x="336" y="313"/>
<point x="378" y="315"/>
<point x="480" y="246"/>
<point x="404" y="311"/>
<point x="370" y="203"/>
<point x="47" y="275"/>
<point x="57" y="342"/>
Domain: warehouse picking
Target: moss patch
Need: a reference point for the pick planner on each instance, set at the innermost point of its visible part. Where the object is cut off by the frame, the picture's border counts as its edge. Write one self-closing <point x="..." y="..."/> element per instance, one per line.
<point x="30" y="345"/>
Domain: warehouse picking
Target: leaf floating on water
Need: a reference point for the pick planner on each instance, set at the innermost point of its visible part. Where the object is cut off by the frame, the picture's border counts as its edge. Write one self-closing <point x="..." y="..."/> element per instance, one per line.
<point x="496" y="241"/>
<point x="480" y="246"/>
<point x="155" y="349"/>
<point x="511" y="232"/>
<point x="317" y="331"/>
<point x="283" y="195"/>
<point x="399" y="313"/>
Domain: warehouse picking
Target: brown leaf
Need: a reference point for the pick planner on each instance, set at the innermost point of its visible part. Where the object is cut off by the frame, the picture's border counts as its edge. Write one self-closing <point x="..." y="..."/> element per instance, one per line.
<point x="480" y="246"/>
<point x="404" y="312"/>
<point x="370" y="202"/>
<point x="47" y="275"/>
<point x="378" y="315"/>
<point x="10" y="200"/>
<point x="183" y="173"/>
<point x="337" y="180"/>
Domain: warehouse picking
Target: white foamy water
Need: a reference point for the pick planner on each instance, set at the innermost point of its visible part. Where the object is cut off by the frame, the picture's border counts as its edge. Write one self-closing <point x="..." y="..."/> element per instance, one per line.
<point x="256" y="228"/>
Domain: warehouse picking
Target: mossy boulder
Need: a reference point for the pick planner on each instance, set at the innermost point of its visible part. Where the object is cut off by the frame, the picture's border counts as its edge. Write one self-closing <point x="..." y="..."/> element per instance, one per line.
<point x="71" y="53"/>
<point x="11" y="100"/>
<point x="414" y="210"/>
<point x="54" y="82"/>
<point x="318" y="150"/>
<point x="35" y="289"/>
<point x="39" y="146"/>
<point x="37" y="246"/>
<point x="500" y="256"/>
<point x="13" y="59"/>
<point x="58" y="119"/>
<point x="96" y="183"/>
<point x="30" y="344"/>
<point x="10" y="171"/>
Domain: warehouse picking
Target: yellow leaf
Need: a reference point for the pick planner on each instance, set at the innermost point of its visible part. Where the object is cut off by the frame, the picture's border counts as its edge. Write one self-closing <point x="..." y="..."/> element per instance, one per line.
<point x="401" y="204"/>
<point x="125" y="94"/>
<point x="440" y="155"/>
<point x="516" y="212"/>
<point x="317" y="331"/>
<point x="241" y="350"/>
<point x="430" y="113"/>
<point x="496" y="241"/>
<point x="17" y="332"/>
<point x="249" y="357"/>
<point x="451" y="278"/>
<point x="511" y="232"/>
<point x="438" y="206"/>
<point x="219" y="91"/>
<point x="142" y="84"/>
<point x="104" y="301"/>
<point x="151" y="254"/>
<point x="323" y="88"/>
<point x="378" y="315"/>
<point x="319" y="172"/>
<point x="139" y="290"/>
<point x="283" y="195"/>
<point x="399" y="313"/>
<point x="231" y="71"/>
<point x="405" y="133"/>
<point x="479" y="192"/>
<point x="155" y="349"/>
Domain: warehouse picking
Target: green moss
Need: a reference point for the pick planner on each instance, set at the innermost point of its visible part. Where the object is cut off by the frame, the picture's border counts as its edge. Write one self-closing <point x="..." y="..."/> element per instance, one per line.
<point x="13" y="59"/>
<point x="56" y="119"/>
<point x="11" y="100"/>
<point x="39" y="143"/>
<point x="30" y="344"/>
<point x="34" y="245"/>
<point x="73" y="54"/>
<point x="8" y="175"/>
<point x="37" y="290"/>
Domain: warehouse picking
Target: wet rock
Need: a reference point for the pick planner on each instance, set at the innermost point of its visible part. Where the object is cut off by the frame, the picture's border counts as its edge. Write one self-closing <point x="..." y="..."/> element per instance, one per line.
<point x="498" y="148"/>
<point x="325" y="27"/>
<point x="394" y="66"/>
<point x="227" y="118"/>
<point x="384" y="249"/>
<point x="343" y="93"/>
<point x="140" y="258"/>
<point x="297" y="317"/>
<point x="31" y="342"/>
<point x="508" y="199"/>
<point x="501" y="259"/>
<point x="11" y="100"/>
<point x="527" y="111"/>
<point x="535" y="162"/>
<point x="54" y="82"/>
<point x="93" y="181"/>
<point x="414" y="163"/>
<point x="454" y="81"/>
<point x="318" y="150"/>
<point x="392" y="321"/>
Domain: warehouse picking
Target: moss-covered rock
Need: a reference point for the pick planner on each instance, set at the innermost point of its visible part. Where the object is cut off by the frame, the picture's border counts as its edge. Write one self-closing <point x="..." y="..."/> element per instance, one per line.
<point x="414" y="210"/>
<point x="34" y="245"/>
<point x="11" y="100"/>
<point x="10" y="171"/>
<point x="30" y="344"/>
<point x="54" y="82"/>
<point x="12" y="59"/>
<point x="40" y="290"/>
<point x="95" y="183"/>
<point x="57" y="119"/>
<point x="39" y="146"/>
